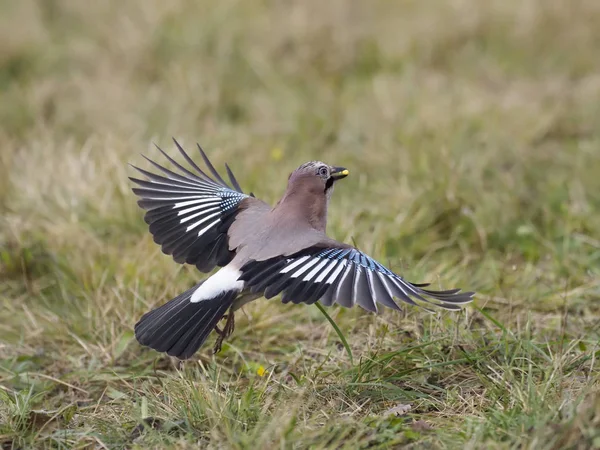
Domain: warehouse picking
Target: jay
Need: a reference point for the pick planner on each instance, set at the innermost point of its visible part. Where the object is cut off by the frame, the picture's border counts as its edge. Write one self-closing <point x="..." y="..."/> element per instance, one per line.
<point x="263" y="251"/>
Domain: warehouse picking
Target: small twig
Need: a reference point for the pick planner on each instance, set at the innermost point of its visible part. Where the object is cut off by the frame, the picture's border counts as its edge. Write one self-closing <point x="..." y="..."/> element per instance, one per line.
<point x="56" y="380"/>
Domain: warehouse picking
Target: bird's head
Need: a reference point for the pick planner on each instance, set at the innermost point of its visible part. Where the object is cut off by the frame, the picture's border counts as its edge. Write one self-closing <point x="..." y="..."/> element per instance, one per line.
<point x="316" y="177"/>
<point x="309" y="190"/>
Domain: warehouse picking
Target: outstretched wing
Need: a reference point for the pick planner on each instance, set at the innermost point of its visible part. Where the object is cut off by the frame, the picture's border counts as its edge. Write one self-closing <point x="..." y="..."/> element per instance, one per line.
<point x="189" y="213"/>
<point x="342" y="275"/>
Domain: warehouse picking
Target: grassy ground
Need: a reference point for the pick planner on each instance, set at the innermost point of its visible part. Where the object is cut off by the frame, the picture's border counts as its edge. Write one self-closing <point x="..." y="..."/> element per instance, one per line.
<point x="472" y="131"/>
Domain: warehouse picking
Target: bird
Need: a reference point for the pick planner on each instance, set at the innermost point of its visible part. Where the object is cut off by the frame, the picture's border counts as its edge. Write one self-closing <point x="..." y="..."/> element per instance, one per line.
<point x="262" y="251"/>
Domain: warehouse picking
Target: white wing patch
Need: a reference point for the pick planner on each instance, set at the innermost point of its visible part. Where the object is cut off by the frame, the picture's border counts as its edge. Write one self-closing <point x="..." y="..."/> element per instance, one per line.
<point x="294" y="264"/>
<point x="338" y="269"/>
<point x="304" y="268"/>
<point x="200" y="222"/>
<point x="193" y="216"/>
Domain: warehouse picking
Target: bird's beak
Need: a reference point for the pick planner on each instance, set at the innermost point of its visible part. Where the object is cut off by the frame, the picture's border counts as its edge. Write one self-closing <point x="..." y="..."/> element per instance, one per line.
<point x="337" y="173"/>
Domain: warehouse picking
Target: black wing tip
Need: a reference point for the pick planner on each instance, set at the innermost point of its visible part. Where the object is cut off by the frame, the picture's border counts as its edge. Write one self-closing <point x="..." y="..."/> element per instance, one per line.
<point x="138" y="169"/>
<point x="181" y="150"/>
<point x="454" y="301"/>
<point x="162" y="152"/>
<point x="233" y="180"/>
<point x="217" y="177"/>
<point x="136" y="180"/>
<point x="154" y="163"/>
<point x="178" y="145"/>
<point x="211" y="168"/>
<point x="205" y="157"/>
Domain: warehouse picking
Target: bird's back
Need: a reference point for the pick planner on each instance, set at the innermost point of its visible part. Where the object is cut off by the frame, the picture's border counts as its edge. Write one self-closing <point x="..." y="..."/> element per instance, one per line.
<point x="261" y="233"/>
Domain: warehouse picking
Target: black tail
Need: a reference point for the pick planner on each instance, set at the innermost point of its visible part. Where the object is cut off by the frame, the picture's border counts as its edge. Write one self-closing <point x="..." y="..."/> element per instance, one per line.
<point x="180" y="327"/>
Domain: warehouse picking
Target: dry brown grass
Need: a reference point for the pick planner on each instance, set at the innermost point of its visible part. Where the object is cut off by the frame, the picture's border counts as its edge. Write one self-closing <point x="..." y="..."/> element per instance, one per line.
<point x="472" y="131"/>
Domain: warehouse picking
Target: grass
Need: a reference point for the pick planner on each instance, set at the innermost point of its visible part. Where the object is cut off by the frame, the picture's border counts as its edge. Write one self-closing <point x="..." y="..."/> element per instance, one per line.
<point x="472" y="132"/>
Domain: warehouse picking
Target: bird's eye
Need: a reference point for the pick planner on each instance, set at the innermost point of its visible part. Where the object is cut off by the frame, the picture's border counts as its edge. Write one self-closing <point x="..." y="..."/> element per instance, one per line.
<point x="323" y="172"/>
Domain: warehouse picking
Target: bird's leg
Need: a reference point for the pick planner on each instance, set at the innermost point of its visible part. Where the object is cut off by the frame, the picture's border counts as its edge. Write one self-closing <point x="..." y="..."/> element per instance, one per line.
<point x="230" y="324"/>
<point x="225" y="333"/>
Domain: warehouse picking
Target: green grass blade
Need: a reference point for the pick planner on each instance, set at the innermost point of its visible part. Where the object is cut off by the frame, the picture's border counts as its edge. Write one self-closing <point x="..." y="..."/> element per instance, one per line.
<point x="337" y="330"/>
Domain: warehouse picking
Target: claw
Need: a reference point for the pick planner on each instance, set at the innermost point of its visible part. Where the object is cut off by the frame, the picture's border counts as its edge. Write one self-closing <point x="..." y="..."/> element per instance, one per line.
<point x="225" y="333"/>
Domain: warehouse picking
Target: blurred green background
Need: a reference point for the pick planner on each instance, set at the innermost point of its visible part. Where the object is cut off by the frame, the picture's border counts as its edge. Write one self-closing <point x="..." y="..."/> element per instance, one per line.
<point x="472" y="133"/>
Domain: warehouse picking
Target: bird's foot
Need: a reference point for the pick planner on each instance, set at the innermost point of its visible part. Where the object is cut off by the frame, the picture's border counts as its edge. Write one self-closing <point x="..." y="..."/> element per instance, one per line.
<point x="225" y="332"/>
